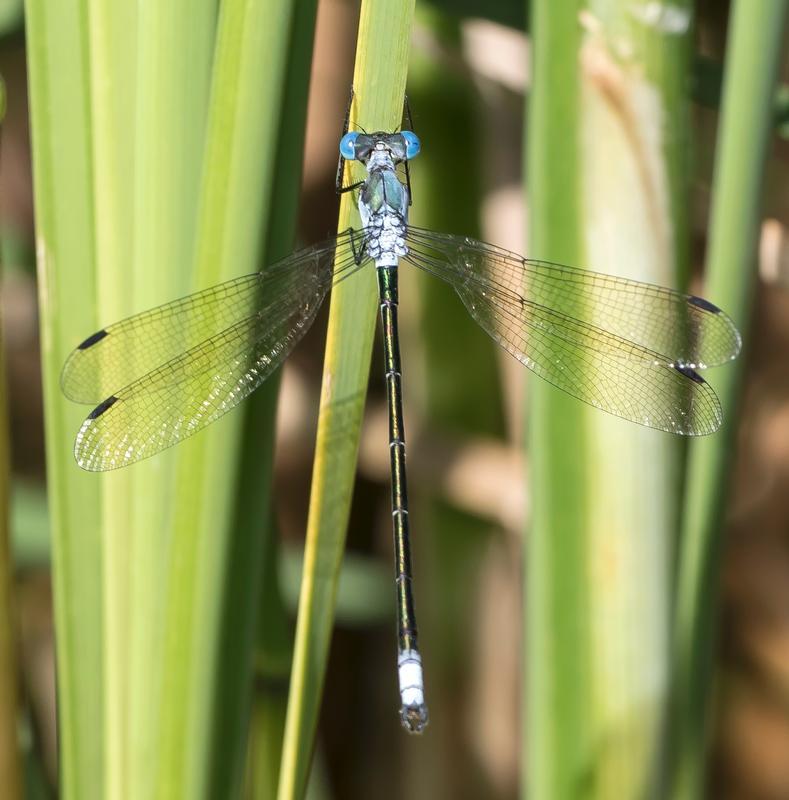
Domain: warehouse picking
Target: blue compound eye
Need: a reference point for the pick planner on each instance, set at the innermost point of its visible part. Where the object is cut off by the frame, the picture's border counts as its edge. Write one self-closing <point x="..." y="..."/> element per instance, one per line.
<point x="412" y="144"/>
<point x="348" y="145"/>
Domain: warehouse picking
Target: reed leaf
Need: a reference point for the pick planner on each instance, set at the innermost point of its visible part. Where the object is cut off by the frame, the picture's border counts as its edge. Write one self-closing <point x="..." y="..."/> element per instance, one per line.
<point x="151" y="158"/>
<point x="379" y="82"/>
<point x="608" y="132"/>
<point x="753" y="58"/>
<point x="10" y="764"/>
<point x="60" y="91"/>
<point x="235" y="200"/>
<point x="113" y="59"/>
<point x="253" y="605"/>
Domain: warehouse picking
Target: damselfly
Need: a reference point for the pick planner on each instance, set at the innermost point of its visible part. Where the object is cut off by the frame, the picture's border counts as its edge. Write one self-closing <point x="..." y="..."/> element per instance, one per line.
<point x="628" y="348"/>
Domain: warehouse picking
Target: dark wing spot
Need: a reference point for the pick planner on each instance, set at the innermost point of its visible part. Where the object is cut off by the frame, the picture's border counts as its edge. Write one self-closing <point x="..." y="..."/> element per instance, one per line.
<point x="700" y="302"/>
<point x="91" y="340"/>
<point x="103" y="406"/>
<point x="689" y="373"/>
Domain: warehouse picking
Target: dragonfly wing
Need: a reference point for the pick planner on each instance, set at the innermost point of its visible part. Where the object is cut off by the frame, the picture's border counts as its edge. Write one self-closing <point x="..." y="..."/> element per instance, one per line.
<point x="192" y="390"/>
<point x="121" y="354"/>
<point x="596" y="366"/>
<point x="688" y="329"/>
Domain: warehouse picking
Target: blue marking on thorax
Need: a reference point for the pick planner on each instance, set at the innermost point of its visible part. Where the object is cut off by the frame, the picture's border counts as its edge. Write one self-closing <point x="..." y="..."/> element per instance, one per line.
<point x="383" y="207"/>
<point x="382" y="189"/>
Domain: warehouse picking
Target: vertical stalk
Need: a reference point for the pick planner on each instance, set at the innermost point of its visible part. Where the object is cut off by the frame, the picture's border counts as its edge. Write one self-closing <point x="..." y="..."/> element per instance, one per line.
<point x="125" y="180"/>
<point x="753" y="57"/>
<point x="170" y="97"/>
<point x="556" y="636"/>
<point x="59" y="81"/>
<point x="10" y="764"/>
<point x="379" y="83"/>
<point x="253" y="605"/>
<point x="113" y="59"/>
<point x="10" y="761"/>
<point x="234" y="209"/>
<point x="608" y="136"/>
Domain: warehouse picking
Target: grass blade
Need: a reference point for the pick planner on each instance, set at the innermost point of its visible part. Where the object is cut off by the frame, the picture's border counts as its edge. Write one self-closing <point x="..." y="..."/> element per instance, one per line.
<point x="608" y="130"/>
<point x="139" y="115"/>
<point x="57" y="48"/>
<point x="253" y="606"/>
<point x="161" y="167"/>
<point x="754" y="54"/>
<point x="113" y="60"/>
<point x="235" y="202"/>
<point x="10" y="764"/>
<point x="379" y="82"/>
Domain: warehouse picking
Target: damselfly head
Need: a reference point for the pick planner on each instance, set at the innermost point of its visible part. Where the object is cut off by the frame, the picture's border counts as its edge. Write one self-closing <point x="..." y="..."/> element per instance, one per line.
<point x="402" y="146"/>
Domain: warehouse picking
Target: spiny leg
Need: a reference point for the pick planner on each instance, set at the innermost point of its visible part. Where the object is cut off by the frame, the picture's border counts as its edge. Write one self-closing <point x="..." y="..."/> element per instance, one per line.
<point x="407" y="110"/>
<point x="410" y="121"/>
<point x="360" y="249"/>
<point x="408" y="183"/>
<point x="345" y="124"/>
<point x="341" y="163"/>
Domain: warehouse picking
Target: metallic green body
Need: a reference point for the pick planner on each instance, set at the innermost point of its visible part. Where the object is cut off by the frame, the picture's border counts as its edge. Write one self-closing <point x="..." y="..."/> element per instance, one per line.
<point x="387" y="289"/>
<point x="381" y="189"/>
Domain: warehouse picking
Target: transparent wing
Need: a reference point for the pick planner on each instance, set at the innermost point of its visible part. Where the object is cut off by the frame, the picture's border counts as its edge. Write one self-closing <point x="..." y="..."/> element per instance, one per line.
<point x="562" y="344"/>
<point x="196" y="387"/>
<point x="120" y="354"/>
<point x="690" y="330"/>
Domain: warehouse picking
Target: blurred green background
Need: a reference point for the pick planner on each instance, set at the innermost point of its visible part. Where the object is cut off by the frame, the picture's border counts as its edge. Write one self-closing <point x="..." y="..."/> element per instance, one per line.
<point x="603" y="610"/>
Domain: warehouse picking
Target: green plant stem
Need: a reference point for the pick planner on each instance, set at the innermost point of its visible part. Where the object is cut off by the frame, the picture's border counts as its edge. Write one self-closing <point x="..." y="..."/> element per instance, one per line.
<point x="608" y="132"/>
<point x="253" y="607"/>
<point x="57" y="52"/>
<point x="161" y="167"/>
<point x="113" y="60"/>
<point x="10" y="765"/>
<point x="379" y="82"/>
<point x="10" y="762"/>
<point x="555" y="693"/>
<point x="753" y="57"/>
<point x="235" y="203"/>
